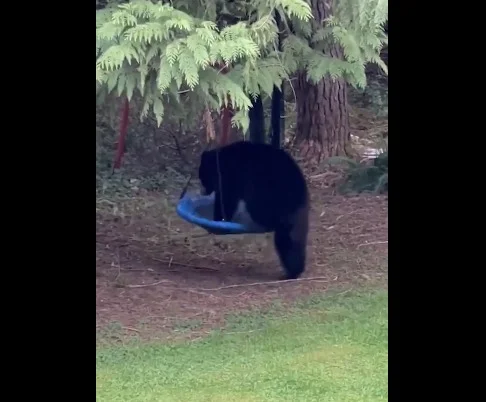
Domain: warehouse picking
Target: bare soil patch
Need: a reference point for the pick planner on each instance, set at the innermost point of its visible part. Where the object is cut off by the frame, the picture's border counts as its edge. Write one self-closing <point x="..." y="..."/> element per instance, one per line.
<point x="159" y="277"/>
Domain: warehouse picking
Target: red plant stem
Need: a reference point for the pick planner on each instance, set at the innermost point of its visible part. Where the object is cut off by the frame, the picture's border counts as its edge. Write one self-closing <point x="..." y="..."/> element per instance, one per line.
<point x="123" y="134"/>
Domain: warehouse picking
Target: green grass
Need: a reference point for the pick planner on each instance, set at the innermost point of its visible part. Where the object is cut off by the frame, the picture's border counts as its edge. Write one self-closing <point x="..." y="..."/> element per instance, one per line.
<point x="326" y="349"/>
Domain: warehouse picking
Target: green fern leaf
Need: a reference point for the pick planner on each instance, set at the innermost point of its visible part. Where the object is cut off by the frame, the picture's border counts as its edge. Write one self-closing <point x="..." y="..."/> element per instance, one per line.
<point x="122" y="79"/>
<point x="188" y="66"/>
<point x="108" y="31"/>
<point x="100" y="76"/>
<point x="158" y="108"/>
<point x="172" y="51"/>
<point x="263" y="31"/>
<point x="173" y="92"/>
<point x="111" y="80"/>
<point x="152" y="53"/>
<point x="348" y="42"/>
<point x="124" y="18"/>
<point x="101" y="96"/>
<point x="165" y="75"/>
<point x="322" y="34"/>
<point x="241" y="120"/>
<point x="184" y="24"/>
<point x="146" y="32"/>
<point x="130" y="85"/>
<point x="207" y="35"/>
<point x="178" y="77"/>
<point x="200" y="53"/>
<point x="299" y="8"/>
<point x="382" y="64"/>
<point x="139" y="8"/>
<point x="145" y="108"/>
<point x="143" y="70"/>
<point x="114" y="57"/>
<point x="160" y="11"/>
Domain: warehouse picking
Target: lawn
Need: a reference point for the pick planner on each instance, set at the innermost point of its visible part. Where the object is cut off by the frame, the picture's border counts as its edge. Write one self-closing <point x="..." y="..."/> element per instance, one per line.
<point x="327" y="348"/>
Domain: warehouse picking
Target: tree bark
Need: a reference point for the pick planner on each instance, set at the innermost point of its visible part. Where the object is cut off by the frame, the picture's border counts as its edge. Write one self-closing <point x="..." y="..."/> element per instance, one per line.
<point x="322" y="108"/>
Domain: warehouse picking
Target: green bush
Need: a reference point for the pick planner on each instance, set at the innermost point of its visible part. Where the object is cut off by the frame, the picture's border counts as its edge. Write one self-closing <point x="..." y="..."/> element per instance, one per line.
<point x="365" y="176"/>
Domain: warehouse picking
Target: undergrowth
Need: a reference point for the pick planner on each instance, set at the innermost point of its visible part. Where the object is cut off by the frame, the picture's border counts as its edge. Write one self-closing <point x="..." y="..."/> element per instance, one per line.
<point x="153" y="160"/>
<point x="366" y="176"/>
<point x="374" y="97"/>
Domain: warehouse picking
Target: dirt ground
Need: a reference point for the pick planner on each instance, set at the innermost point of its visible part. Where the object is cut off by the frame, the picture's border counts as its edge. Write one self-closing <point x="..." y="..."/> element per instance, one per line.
<point x="159" y="277"/>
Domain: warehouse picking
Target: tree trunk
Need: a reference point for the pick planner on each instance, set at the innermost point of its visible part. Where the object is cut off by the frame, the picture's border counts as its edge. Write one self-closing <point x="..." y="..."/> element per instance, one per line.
<point x="277" y="126"/>
<point x="322" y="108"/>
<point x="322" y="118"/>
<point x="257" y="121"/>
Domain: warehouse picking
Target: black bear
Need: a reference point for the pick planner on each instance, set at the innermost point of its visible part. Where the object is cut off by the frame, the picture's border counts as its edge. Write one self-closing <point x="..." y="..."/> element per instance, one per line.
<point x="272" y="189"/>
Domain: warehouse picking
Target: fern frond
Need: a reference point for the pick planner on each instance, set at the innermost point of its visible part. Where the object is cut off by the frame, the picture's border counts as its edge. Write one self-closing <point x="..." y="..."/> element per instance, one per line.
<point x="322" y="34"/>
<point x="156" y="49"/>
<point x="154" y="52"/>
<point x="108" y="31"/>
<point x="356" y="27"/>
<point x="130" y="85"/>
<point x="173" y="51"/>
<point x="298" y="8"/>
<point x="124" y="18"/>
<point x="184" y="24"/>
<point x="112" y="79"/>
<point x="140" y="9"/>
<point x="148" y="32"/>
<point x="114" y="57"/>
<point x="263" y="31"/>
<point x="348" y="43"/>
<point x="100" y="76"/>
<point x="158" y="108"/>
<point x="188" y="66"/>
<point x="198" y="48"/>
<point x="164" y="77"/>
<point x="143" y="70"/>
<point x="207" y="33"/>
<point x="241" y="120"/>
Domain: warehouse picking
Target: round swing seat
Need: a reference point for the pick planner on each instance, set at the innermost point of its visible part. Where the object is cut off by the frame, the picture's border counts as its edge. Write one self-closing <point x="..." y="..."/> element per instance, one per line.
<point x="199" y="210"/>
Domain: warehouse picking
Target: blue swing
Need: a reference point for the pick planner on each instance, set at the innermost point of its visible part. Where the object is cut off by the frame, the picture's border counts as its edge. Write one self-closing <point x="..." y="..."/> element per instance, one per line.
<point x="198" y="209"/>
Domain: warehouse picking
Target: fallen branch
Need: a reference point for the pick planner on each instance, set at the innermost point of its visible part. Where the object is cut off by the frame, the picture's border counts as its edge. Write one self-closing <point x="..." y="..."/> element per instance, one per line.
<point x="314" y="278"/>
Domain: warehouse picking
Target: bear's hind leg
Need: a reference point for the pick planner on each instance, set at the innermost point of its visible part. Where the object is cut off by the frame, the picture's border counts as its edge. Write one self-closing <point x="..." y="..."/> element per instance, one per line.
<point x="292" y="253"/>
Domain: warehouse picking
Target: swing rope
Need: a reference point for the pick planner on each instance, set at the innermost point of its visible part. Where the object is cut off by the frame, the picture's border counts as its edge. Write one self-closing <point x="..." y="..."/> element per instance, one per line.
<point x="220" y="186"/>
<point x="220" y="182"/>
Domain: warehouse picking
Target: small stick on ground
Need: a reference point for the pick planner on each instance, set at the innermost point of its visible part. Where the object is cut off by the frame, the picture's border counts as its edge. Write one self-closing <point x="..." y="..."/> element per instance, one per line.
<point x="198" y="293"/>
<point x="371" y="243"/>
<point x="130" y="329"/>
<point x="148" y="284"/>
<point x="313" y="278"/>
<point x="184" y="235"/>
<point x="184" y="264"/>
<point x="347" y="214"/>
